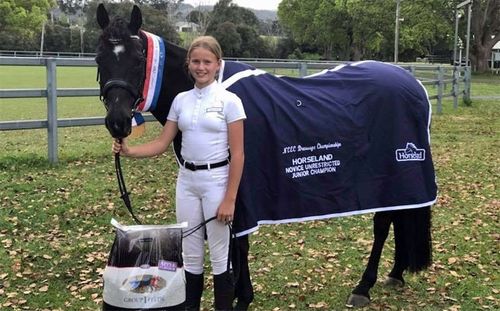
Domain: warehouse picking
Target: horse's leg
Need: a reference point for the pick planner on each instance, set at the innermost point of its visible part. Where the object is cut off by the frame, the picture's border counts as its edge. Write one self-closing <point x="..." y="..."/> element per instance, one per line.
<point x="243" y="288"/>
<point x="360" y="295"/>
<point x="395" y="277"/>
<point x="413" y="243"/>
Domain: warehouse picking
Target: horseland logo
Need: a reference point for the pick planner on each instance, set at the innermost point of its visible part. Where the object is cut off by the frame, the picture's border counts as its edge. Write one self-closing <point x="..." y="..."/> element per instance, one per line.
<point x="410" y="153"/>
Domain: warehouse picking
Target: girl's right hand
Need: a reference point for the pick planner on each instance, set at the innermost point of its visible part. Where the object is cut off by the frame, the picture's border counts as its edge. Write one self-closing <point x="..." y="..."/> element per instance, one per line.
<point x="120" y="147"/>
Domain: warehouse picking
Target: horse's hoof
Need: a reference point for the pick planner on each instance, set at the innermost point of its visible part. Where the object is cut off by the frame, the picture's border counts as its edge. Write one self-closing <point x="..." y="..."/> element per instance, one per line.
<point x="357" y="301"/>
<point x="393" y="282"/>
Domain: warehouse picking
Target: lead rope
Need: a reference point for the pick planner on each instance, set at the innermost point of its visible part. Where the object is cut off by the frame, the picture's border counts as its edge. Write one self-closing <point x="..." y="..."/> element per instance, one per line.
<point x="187" y="233"/>
<point x="233" y="246"/>
<point x="233" y="243"/>
<point x="124" y="194"/>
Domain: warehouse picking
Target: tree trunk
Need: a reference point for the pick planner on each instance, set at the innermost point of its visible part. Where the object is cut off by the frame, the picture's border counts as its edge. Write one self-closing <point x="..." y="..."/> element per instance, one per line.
<point x="357" y="54"/>
<point x="485" y="27"/>
<point x="327" y="52"/>
<point x="482" y="55"/>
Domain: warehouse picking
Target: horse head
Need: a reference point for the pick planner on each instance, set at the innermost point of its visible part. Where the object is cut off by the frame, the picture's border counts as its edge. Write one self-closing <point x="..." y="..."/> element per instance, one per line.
<point x="120" y="58"/>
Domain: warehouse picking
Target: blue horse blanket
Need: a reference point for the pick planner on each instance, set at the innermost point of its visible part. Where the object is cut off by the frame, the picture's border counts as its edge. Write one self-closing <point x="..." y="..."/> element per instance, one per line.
<point x="349" y="140"/>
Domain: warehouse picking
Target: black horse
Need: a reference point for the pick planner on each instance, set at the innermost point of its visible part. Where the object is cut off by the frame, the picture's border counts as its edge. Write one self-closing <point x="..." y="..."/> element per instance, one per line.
<point x="124" y="52"/>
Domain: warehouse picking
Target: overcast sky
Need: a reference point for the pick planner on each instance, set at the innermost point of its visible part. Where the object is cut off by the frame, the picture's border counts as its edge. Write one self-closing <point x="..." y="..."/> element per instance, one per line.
<point x="254" y="4"/>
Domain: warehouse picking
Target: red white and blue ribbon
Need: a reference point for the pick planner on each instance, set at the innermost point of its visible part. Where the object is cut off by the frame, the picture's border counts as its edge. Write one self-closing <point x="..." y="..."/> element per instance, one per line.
<point x="155" y="62"/>
<point x="154" y="72"/>
<point x="137" y="119"/>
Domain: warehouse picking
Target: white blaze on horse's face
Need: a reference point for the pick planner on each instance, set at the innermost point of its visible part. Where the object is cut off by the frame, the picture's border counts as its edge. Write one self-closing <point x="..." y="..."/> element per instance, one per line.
<point x="118" y="49"/>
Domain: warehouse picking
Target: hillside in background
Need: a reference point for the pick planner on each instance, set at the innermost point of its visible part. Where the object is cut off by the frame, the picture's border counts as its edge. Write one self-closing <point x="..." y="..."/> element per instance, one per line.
<point x="184" y="9"/>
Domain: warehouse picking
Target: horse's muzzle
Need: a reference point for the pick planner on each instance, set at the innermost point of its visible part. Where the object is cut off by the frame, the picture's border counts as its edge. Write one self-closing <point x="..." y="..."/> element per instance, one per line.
<point x="118" y="127"/>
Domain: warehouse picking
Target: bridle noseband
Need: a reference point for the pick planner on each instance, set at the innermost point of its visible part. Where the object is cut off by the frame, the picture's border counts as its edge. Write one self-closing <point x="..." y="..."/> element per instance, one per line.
<point x="115" y="83"/>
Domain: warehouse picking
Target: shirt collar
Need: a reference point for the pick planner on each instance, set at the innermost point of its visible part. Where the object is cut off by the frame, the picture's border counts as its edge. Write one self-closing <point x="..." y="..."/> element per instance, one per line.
<point x="205" y="90"/>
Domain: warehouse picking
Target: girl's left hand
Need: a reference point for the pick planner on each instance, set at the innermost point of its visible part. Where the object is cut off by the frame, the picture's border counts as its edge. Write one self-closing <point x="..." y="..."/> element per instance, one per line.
<point x="225" y="212"/>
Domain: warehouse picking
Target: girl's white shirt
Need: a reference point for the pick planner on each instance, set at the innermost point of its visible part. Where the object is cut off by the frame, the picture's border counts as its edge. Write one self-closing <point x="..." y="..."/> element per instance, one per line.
<point x="202" y="116"/>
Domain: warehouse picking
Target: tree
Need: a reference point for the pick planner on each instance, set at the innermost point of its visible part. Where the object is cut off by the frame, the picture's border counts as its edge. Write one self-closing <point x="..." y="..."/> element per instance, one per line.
<point x="226" y="11"/>
<point x="360" y="29"/>
<point x="157" y="22"/>
<point x="57" y="38"/>
<point x="71" y="6"/>
<point x="427" y="28"/>
<point x="162" y="5"/>
<point x="20" y="21"/>
<point x="252" y="45"/>
<point x="372" y="29"/>
<point x="485" y="31"/>
<point x="324" y="23"/>
<point x="201" y="18"/>
<point x="169" y="7"/>
<point x="236" y="29"/>
<point x="229" y="38"/>
<point x="333" y="25"/>
<point x="270" y="27"/>
<point x="285" y="46"/>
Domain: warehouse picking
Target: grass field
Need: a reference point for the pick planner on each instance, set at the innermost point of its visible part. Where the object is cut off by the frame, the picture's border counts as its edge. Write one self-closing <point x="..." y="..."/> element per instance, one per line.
<point x="55" y="234"/>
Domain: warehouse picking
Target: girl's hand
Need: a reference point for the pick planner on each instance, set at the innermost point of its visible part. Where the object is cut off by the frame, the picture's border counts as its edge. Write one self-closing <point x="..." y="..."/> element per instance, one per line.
<point x="120" y="148"/>
<point x="225" y="212"/>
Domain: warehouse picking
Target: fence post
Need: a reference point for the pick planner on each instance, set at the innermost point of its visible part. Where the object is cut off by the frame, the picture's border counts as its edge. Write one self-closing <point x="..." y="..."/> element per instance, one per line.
<point x="456" y="80"/>
<point x="302" y="69"/>
<point x="412" y="70"/>
<point x="467" y="81"/>
<point x="440" y="85"/>
<point x="52" y="109"/>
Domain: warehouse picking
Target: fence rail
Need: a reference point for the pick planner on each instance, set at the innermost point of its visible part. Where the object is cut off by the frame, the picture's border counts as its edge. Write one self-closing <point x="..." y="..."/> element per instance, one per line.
<point x="44" y="54"/>
<point x="438" y="76"/>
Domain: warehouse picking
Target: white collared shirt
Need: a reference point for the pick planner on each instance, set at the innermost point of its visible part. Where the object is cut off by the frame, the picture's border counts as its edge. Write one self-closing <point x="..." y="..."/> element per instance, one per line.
<point x="203" y="115"/>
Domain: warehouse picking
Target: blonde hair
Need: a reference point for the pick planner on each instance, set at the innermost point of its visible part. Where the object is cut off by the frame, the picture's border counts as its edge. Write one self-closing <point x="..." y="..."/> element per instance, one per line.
<point x="206" y="42"/>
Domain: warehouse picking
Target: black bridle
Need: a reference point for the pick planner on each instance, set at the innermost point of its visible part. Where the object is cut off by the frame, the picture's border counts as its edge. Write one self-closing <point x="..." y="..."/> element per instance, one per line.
<point x="136" y="93"/>
<point x="119" y="83"/>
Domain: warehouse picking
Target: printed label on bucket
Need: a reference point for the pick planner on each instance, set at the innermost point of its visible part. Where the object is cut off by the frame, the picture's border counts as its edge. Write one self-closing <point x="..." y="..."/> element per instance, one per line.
<point x="132" y="288"/>
<point x="167" y="265"/>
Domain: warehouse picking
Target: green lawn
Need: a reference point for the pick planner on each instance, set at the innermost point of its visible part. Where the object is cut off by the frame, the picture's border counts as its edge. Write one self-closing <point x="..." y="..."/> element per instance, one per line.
<point x="486" y="85"/>
<point x="55" y="233"/>
<point x="18" y="77"/>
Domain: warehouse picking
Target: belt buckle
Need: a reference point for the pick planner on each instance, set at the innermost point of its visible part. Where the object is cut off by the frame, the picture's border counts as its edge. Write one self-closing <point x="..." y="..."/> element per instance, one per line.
<point x="190" y="166"/>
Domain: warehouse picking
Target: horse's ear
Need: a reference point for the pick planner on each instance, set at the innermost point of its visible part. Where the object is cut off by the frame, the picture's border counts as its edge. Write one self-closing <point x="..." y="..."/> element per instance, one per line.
<point x="135" y="20"/>
<point x="102" y="16"/>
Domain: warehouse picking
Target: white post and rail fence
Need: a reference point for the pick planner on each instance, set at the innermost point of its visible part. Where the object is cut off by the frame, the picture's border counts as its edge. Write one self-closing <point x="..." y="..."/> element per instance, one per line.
<point x="437" y="76"/>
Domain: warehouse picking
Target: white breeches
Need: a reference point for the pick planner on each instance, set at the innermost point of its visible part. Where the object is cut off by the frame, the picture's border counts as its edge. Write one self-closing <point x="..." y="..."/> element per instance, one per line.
<point x="198" y="195"/>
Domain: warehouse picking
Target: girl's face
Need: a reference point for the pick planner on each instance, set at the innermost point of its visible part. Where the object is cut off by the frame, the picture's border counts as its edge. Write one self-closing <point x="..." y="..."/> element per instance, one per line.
<point x="203" y="66"/>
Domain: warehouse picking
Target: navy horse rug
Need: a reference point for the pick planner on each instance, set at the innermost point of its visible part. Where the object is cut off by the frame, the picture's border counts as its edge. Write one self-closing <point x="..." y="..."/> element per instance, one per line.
<point x="349" y="140"/>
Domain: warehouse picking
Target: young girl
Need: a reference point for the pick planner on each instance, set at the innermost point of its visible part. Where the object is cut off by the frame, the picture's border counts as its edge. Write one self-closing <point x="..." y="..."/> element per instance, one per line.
<point x="211" y="121"/>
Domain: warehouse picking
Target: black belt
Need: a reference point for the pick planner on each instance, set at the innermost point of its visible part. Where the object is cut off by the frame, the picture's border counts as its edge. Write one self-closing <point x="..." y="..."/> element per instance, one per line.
<point x="191" y="166"/>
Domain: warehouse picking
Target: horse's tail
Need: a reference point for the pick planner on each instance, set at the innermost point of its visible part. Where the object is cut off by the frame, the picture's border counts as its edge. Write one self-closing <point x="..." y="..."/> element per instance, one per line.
<point x="413" y="228"/>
